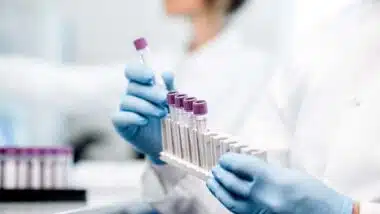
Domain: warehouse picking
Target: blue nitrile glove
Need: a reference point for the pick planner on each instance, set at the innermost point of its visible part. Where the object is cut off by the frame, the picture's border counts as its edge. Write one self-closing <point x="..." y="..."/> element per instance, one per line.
<point x="245" y="184"/>
<point x="141" y="109"/>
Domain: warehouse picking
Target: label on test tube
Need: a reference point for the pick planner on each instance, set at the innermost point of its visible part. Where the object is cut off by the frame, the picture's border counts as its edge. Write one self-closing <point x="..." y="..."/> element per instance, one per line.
<point x="141" y="46"/>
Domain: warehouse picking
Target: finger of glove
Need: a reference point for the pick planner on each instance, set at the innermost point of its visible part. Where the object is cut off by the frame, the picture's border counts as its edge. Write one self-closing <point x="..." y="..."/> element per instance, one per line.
<point x="168" y="78"/>
<point x="232" y="203"/>
<point x="125" y="118"/>
<point x="243" y="166"/>
<point x="231" y="182"/>
<point x="139" y="73"/>
<point x="153" y="94"/>
<point x="142" y="107"/>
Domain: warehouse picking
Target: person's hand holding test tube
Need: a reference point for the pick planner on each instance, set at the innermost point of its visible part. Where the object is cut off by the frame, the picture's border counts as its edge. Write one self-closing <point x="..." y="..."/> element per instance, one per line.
<point x="138" y="120"/>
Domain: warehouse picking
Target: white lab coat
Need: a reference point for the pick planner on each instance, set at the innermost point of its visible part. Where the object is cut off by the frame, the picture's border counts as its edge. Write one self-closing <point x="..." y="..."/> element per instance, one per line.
<point x="49" y="93"/>
<point x="230" y="76"/>
<point x="328" y="107"/>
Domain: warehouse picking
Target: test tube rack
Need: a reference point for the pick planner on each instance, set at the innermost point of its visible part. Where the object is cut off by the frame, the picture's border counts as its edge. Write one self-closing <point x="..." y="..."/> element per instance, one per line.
<point x="197" y="152"/>
<point x="187" y="142"/>
<point x="37" y="174"/>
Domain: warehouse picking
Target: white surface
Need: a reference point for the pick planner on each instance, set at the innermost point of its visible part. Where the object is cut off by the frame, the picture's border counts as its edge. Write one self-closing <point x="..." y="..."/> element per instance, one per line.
<point x="106" y="182"/>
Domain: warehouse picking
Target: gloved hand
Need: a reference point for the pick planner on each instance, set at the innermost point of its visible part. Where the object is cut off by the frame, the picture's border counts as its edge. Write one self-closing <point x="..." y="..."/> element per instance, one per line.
<point x="245" y="184"/>
<point x="141" y="109"/>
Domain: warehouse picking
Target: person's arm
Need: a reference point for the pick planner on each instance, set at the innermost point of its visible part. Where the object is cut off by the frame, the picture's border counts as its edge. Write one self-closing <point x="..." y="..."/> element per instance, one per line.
<point x="77" y="87"/>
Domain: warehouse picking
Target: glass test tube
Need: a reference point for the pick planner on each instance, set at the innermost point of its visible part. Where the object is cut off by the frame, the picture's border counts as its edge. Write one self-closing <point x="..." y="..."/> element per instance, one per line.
<point x="168" y="145"/>
<point x="142" y="48"/>
<point x="2" y="167"/>
<point x="68" y="162"/>
<point x="22" y="180"/>
<point x="10" y="168"/>
<point x="179" y="98"/>
<point x="200" y="122"/>
<point x="188" y="120"/>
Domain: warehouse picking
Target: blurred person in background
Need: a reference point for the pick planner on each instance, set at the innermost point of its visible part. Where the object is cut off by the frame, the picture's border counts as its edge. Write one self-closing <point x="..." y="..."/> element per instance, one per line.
<point x="213" y="66"/>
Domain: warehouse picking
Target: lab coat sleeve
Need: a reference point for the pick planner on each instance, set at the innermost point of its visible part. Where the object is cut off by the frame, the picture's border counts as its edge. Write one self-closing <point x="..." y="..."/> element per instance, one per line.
<point x="270" y="125"/>
<point x="66" y="88"/>
<point x="369" y="208"/>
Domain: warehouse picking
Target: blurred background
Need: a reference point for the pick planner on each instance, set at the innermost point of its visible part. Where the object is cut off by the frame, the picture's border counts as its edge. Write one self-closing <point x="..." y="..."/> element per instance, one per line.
<point x="90" y="41"/>
<point x="80" y="37"/>
<point x="62" y="62"/>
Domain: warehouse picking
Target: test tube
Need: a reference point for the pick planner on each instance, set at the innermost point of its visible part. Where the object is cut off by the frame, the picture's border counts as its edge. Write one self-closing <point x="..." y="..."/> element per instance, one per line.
<point x="188" y="115"/>
<point x="171" y="102"/>
<point x="22" y="177"/>
<point x="200" y="123"/>
<point x="179" y="135"/>
<point x="31" y="166"/>
<point x="168" y="133"/>
<point x="188" y="111"/>
<point x="68" y="159"/>
<point x="2" y="167"/>
<point x="10" y="168"/>
<point x="200" y="115"/>
<point x="142" y="48"/>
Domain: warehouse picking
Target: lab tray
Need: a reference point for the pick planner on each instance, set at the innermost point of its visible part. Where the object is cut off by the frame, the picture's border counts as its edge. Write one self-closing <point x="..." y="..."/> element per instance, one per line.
<point x="33" y="195"/>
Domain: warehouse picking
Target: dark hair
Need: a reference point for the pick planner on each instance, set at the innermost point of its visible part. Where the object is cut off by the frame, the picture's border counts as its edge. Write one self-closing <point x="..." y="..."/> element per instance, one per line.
<point x="233" y="7"/>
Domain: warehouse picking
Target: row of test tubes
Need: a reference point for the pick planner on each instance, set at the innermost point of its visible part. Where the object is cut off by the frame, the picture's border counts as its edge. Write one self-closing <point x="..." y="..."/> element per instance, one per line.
<point x="186" y="136"/>
<point x="35" y="168"/>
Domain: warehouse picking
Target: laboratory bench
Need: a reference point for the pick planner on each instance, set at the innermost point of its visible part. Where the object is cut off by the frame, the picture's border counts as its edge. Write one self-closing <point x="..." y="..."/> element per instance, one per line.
<point x="106" y="183"/>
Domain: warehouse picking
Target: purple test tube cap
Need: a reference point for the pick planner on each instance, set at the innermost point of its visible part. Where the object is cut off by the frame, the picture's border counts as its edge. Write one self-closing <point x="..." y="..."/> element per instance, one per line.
<point x="188" y="104"/>
<point x="179" y="98"/>
<point x="200" y="108"/>
<point x="171" y="97"/>
<point x="140" y="43"/>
